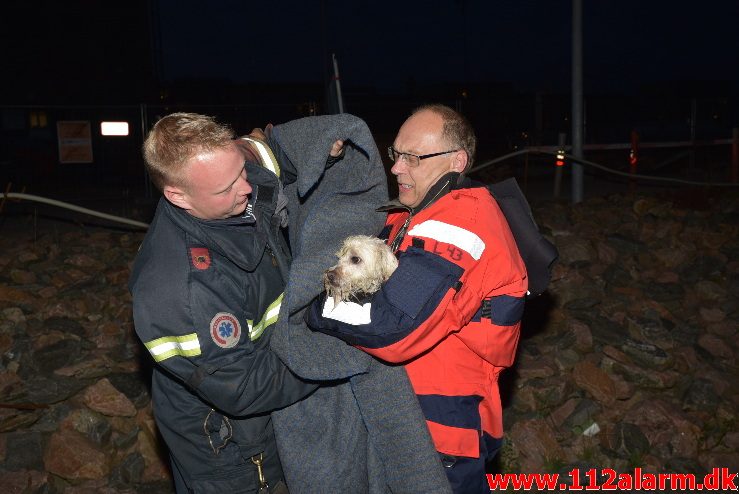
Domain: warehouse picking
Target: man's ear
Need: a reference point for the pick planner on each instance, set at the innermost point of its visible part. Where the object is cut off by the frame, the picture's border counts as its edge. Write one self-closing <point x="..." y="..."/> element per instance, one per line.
<point x="459" y="162"/>
<point x="176" y="196"/>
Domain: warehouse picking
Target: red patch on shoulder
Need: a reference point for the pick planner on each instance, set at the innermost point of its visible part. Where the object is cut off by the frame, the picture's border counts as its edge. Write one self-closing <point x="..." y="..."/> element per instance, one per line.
<point x="200" y="257"/>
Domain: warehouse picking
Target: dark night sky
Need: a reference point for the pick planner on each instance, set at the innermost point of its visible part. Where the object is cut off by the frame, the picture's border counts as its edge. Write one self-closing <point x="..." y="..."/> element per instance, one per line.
<point x="385" y="44"/>
<point x="646" y="62"/>
<point x="51" y="46"/>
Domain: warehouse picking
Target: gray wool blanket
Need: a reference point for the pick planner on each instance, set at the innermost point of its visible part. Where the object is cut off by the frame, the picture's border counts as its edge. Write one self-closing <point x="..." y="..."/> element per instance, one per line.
<point x="363" y="431"/>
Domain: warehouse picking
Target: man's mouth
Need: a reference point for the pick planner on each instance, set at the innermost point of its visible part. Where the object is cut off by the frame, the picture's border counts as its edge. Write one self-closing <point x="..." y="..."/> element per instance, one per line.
<point x="405" y="186"/>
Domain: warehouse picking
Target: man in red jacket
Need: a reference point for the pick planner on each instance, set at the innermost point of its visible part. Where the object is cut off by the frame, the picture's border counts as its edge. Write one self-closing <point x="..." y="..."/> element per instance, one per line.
<point x="451" y="312"/>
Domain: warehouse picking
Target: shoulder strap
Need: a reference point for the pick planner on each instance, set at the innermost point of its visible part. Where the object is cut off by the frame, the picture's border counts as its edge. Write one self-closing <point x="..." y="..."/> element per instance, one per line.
<point x="538" y="253"/>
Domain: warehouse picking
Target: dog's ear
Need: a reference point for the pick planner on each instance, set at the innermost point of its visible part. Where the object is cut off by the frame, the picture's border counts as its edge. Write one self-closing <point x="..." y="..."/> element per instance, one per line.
<point x="388" y="259"/>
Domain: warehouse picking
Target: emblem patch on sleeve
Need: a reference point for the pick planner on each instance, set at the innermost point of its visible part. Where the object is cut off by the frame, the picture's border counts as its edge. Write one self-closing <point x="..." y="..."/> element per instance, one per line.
<point x="200" y="257"/>
<point x="225" y="330"/>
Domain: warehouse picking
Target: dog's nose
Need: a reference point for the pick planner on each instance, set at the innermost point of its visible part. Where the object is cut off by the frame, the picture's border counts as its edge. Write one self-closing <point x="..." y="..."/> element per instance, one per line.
<point x="330" y="276"/>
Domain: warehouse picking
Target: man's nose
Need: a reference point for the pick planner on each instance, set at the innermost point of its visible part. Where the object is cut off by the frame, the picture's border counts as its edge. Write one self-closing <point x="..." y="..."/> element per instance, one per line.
<point x="245" y="187"/>
<point x="400" y="166"/>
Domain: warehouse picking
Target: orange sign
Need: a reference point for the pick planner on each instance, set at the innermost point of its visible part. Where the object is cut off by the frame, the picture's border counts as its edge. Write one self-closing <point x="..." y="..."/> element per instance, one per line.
<point x="75" y="141"/>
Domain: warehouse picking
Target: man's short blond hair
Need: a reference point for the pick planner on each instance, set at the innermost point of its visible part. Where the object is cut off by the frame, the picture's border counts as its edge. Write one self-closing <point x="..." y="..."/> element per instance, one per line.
<point x="457" y="129"/>
<point x="177" y="138"/>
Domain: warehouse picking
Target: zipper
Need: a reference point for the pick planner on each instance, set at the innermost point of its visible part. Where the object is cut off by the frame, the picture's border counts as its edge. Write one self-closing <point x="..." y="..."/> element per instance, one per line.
<point x="401" y="233"/>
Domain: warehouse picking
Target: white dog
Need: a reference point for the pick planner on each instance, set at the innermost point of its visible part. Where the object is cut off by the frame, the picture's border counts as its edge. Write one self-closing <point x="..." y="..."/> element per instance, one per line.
<point x="365" y="263"/>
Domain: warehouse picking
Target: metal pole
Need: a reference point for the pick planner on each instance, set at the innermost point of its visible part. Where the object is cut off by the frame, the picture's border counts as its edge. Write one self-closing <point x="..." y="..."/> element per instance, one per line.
<point x="577" y="118"/>
<point x="339" y="97"/>
<point x="693" y="123"/>
<point x="735" y="155"/>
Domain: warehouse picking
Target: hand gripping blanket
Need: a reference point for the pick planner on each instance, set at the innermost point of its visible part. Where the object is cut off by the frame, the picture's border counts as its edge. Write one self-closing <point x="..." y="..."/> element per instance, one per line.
<point x="363" y="430"/>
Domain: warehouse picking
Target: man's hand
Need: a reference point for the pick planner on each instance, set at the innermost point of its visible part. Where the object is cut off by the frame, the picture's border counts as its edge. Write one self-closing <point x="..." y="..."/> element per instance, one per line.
<point x="259" y="133"/>
<point x="337" y="149"/>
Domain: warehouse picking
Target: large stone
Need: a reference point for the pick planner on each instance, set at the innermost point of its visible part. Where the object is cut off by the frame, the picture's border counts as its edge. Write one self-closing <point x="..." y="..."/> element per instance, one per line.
<point x="708" y="290"/>
<point x="47" y="391"/>
<point x="549" y="392"/>
<point x="625" y="440"/>
<point x="65" y="325"/>
<point x="729" y="460"/>
<point x="536" y="444"/>
<point x="11" y="386"/>
<point x="646" y="354"/>
<point x="715" y="346"/>
<point x="560" y="414"/>
<point x="56" y="355"/>
<point x="131" y="385"/>
<point x="12" y="419"/>
<point x="727" y="328"/>
<point x="595" y="381"/>
<point x="156" y="463"/>
<point x="129" y="471"/>
<point x="606" y="253"/>
<point x="574" y="249"/>
<point x="529" y="367"/>
<point x="673" y="256"/>
<point x="666" y="427"/>
<point x="700" y="395"/>
<point x="583" y="336"/>
<point x="566" y="359"/>
<point x="14" y="316"/>
<point x="93" y="367"/>
<point x="583" y="416"/>
<point x="703" y="267"/>
<point x="73" y="457"/>
<point x="22" y="277"/>
<point x="84" y="261"/>
<point x="640" y="376"/>
<point x="23" y="481"/>
<point x="103" y="397"/>
<point x="26" y="451"/>
<point x="16" y="296"/>
<point x="666" y="292"/>
<point x="91" y="424"/>
<point x="624" y="244"/>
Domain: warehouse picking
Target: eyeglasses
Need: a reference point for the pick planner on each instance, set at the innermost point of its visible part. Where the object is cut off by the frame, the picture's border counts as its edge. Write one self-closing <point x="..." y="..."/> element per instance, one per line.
<point x="413" y="160"/>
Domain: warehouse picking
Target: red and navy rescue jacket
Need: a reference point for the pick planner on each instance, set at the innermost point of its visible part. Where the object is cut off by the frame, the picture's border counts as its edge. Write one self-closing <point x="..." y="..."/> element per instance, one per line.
<point x="450" y="312"/>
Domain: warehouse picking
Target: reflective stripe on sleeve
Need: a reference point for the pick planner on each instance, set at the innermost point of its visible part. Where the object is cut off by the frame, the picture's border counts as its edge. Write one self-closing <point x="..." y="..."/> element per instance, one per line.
<point x="450" y="234"/>
<point x="169" y="346"/>
<point x="265" y="155"/>
<point x="347" y="312"/>
<point x="270" y="317"/>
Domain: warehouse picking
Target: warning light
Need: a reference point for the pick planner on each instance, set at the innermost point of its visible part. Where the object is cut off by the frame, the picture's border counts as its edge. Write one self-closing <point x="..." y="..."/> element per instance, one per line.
<point x="560" y="158"/>
<point x="632" y="158"/>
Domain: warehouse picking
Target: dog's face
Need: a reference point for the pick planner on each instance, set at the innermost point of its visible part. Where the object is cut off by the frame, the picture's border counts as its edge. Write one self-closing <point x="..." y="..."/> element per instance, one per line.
<point x="364" y="264"/>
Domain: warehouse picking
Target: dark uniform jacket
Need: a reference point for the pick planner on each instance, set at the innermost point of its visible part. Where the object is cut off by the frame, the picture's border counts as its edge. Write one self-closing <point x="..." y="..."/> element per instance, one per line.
<point x="205" y="293"/>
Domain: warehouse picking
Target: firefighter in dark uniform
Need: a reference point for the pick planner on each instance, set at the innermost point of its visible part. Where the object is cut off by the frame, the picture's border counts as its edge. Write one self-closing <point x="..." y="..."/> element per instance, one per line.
<point x="207" y="285"/>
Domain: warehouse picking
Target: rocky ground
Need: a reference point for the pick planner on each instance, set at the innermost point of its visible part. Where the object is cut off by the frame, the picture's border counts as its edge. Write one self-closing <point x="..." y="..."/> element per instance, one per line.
<point x="630" y="360"/>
